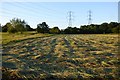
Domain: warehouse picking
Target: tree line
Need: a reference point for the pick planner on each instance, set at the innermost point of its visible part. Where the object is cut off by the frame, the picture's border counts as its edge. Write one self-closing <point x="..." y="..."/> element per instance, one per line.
<point x="17" y="25"/>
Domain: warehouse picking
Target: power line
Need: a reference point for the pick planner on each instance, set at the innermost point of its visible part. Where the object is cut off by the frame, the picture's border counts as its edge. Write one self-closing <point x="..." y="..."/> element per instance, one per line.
<point x="49" y="9"/>
<point x="17" y="14"/>
<point x="14" y="14"/>
<point x="36" y="10"/>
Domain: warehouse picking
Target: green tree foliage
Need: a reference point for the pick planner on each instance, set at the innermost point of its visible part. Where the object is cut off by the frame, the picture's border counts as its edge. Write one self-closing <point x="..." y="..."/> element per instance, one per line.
<point x="17" y="25"/>
<point x="116" y="29"/>
<point x="0" y="28"/>
<point x="5" y="27"/>
<point x="28" y="28"/>
<point x="55" y="30"/>
<point x="39" y="28"/>
<point x="12" y="30"/>
<point x="104" y="28"/>
<point x="70" y="30"/>
<point x="62" y="31"/>
<point x="113" y="25"/>
<point x="42" y="28"/>
<point x="75" y="30"/>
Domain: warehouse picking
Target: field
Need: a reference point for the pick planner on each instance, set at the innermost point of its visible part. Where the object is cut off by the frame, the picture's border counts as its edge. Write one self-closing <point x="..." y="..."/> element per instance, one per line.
<point x="6" y="37"/>
<point x="77" y="57"/>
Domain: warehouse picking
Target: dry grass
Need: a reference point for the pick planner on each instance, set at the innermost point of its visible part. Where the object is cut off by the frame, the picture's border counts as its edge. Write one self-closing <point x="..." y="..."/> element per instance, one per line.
<point x="64" y="56"/>
<point x="7" y="37"/>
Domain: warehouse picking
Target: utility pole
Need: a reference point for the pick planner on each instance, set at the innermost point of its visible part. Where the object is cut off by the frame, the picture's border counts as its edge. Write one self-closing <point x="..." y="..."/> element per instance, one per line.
<point x="89" y="17"/>
<point x="70" y="18"/>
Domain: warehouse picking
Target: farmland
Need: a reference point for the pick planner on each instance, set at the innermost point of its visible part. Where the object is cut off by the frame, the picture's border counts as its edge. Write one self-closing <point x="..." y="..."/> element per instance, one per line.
<point x="63" y="56"/>
<point x="7" y="37"/>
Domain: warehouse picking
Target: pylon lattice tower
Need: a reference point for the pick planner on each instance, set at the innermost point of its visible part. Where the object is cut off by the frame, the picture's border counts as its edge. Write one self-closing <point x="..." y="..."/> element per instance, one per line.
<point x="70" y="18"/>
<point x="89" y="17"/>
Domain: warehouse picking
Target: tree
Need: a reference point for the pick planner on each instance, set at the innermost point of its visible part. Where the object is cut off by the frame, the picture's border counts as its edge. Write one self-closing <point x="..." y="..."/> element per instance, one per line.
<point x="0" y="28"/>
<point x="11" y="29"/>
<point x="28" y="28"/>
<point x="42" y="28"/>
<point x="97" y="31"/>
<point x="116" y="29"/>
<point x="103" y="28"/>
<point x="55" y="30"/>
<point x="75" y="30"/>
<point x="17" y="25"/>
<point x="112" y="25"/>
<point x="5" y="27"/>
<point x="84" y="29"/>
<point x="62" y="31"/>
<point x="39" y="28"/>
<point x="68" y="30"/>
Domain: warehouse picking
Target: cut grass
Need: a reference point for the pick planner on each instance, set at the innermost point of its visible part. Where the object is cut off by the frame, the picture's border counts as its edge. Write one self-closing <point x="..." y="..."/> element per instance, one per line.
<point x="51" y="58"/>
<point x="7" y="37"/>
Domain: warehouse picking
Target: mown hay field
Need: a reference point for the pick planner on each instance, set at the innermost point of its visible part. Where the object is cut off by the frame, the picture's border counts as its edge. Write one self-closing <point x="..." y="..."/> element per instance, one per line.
<point x="83" y="56"/>
<point x="6" y="37"/>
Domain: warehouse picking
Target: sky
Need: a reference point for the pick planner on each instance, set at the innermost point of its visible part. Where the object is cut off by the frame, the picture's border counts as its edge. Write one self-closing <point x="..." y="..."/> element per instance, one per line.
<point x="57" y="13"/>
